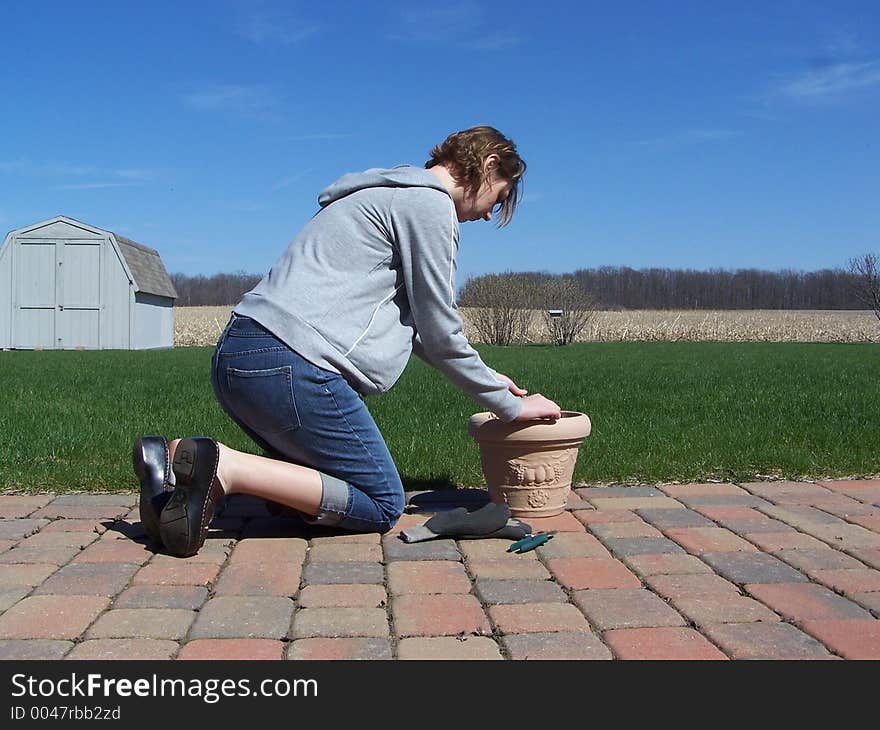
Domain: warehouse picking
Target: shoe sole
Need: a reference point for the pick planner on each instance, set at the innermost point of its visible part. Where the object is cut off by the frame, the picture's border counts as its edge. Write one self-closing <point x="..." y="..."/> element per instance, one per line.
<point x="183" y="523"/>
<point x="150" y="504"/>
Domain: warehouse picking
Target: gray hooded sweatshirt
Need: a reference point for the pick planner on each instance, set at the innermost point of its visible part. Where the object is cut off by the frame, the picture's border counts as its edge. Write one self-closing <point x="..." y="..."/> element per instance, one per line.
<point x="371" y="279"/>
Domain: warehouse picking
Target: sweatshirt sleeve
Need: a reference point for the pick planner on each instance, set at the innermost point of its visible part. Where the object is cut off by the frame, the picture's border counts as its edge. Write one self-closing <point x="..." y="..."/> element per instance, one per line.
<point x="426" y="234"/>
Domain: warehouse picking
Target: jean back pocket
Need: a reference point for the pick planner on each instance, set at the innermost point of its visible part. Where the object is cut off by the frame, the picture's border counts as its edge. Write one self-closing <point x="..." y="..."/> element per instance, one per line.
<point x="263" y="399"/>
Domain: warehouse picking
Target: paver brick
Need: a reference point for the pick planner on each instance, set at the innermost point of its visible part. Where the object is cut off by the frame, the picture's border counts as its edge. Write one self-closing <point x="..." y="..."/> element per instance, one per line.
<point x="115" y="551"/>
<point x="700" y="540"/>
<point x="849" y="581"/>
<point x="46" y="538"/>
<point x="665" y="564"/>
<point x="142" y="623"/>
<point x="9" y="597"/>
<point x="806" y="601"/>
<point x="81" y="511"/>
<point x="746" y="567"/>
<point x="19" y="529"/>
<point x="800" y="516"/>
<point x="722" y="513"/>
<point x="68" y="525"/>
<point x="607" y="530"/>
<point x="869" y="521"/>
<point x="571" y="545"/>
<point x="850" y="638"/>
<point x="765" y="641"/>
<point x="869" y="556"/>
<point x="492" y="549"/>
<point x="696" y="502"/>
<point x="661" y="643"/>
<point x="364" y="595"/>
<point x="866" y="490"/>
<point x="235" y="649"/>
<point x="51" y="617"/>
<point x="33" y="649"/>
<point x="756" y="527"/>
<point x="438" y="615"/>
<point x="693" y="584"/>
<point x="245" y="617"/>
<point x="21" y="554"/>
<point x="621" y="546"/>
<point x="345" y="648"/>
<point x="491" y="591"/>
<point x="345" y="573"/>
<point x="448" y="647"/>
<point x="635" y="503"/>
<point x="20" y="506"/>
<point x="666" y="518"/>
<point x="707" y="609"/>
<point x="251" y="578"/>
<point x="181" y="574"/>
<point x="697" y="489"/>
<point x="25" y="574"/>
<point x="332" y="536"/>
<point x="582" y="573"/>
<point x="332" y="622"/>
<point x="844" y="535"/>
<point x="89" y="579"/>
<point x="427" y="576"/>
<point x="521" y="618"/>
<point x="573" y="645"/>
<point x="438" y="549"/>
<point x="624" y="491"/>
<point x="870" y="600"/>
<point x="564" y="522"/>
<point x="790" y="540"/>
<point x="620" y="608"/>
<point x="345" y="552"/>
<point x="215" y="555"/>
<point x="123" y="649"/>
<point x="154" y="596"/>
<point x="510" y="568"/>
<point x="591" y="517"/>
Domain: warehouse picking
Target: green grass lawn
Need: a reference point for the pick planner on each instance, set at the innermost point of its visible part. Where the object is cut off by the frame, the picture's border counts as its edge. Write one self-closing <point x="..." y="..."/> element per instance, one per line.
<point x="660" y="411"/>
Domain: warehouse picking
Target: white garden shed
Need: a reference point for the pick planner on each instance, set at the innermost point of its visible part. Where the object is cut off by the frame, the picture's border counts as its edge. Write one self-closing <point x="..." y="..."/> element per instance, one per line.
<point x="66" y="285"/>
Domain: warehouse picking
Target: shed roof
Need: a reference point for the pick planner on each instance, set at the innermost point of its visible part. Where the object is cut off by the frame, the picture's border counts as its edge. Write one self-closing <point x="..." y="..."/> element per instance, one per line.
<point x="145" y="264"/>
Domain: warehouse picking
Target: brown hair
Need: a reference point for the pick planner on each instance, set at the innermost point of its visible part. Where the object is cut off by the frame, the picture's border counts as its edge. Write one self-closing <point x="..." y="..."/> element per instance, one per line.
<point x="465" y="152"/>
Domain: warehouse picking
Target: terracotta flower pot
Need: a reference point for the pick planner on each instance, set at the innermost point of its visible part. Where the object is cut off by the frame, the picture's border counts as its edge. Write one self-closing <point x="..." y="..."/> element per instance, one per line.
<point x="529" y="464"/>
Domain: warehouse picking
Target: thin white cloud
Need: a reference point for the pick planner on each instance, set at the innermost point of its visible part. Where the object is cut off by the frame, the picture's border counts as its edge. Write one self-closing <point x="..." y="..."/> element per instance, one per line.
<point x="319" y="136"/>
<point x="275" y="28"/>
<point x="463" y="24"/>
<point x="94" y="186"/>
<point x="693" y="136"/>
<point x="832" y="80"/>
<point x="232" y="97"/>
<point x="289" y="180"/>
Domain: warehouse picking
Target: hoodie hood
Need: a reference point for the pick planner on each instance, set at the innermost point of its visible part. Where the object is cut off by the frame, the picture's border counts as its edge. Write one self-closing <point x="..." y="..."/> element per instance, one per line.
<point x="402" y="176"/>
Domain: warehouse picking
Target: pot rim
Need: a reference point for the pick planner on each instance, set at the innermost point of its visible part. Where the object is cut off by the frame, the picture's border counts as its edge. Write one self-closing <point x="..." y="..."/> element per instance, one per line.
<point x="486" y="426"/>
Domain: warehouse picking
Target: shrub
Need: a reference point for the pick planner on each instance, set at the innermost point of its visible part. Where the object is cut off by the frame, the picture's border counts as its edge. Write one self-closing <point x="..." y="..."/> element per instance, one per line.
<point x="566" y="308"/>
<point x="501" y="307"/>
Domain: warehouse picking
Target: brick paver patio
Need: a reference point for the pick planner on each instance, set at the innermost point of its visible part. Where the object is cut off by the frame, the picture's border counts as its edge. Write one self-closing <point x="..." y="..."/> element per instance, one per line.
<point x="769" y="570"/>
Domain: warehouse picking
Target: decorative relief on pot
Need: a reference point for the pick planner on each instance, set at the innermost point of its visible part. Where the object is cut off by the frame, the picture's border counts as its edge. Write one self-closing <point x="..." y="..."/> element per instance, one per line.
<point x="538" y="498"/>
<point x="547" y="471"/>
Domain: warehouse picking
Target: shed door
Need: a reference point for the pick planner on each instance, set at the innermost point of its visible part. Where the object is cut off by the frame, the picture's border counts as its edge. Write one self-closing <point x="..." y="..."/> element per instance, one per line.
<point x="57" y="294"/>
<point x="78" y="289"/>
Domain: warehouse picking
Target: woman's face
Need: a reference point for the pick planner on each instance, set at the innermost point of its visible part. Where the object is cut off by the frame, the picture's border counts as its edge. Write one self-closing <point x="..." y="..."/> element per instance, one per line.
<point x="479" y="206"/>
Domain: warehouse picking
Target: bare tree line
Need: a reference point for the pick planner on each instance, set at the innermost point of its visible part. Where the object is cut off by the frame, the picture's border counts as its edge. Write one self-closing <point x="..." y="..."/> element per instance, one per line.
<point x="212" y="291"/>
<point x="626" y="288"/>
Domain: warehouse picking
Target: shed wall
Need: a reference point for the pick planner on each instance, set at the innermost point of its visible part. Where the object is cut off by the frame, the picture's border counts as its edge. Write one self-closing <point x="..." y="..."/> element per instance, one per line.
<point x="116" y="314"/>
<point x="153" y="322"/>
<point x="6" y="295"/>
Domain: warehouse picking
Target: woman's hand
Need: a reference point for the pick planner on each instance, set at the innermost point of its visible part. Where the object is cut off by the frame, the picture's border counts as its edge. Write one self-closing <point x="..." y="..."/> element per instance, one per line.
<point x="537" y="407"/>
<point x="511" y="386"/>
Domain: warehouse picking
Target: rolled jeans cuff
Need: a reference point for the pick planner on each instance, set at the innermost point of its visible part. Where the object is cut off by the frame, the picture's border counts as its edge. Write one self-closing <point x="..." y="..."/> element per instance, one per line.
<point x="334" y="501"/>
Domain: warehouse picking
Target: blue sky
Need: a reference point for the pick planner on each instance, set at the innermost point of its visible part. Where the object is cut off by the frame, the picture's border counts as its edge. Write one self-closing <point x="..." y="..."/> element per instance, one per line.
<point x="657" y="134"/>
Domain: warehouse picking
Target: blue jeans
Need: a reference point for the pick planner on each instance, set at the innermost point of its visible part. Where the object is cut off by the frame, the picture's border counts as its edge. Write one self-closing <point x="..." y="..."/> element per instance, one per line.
<point x="307" y="415"/>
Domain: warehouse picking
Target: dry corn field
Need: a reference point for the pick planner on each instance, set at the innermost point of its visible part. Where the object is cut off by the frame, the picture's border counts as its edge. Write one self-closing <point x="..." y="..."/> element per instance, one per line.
<point x="200" y="326"/>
